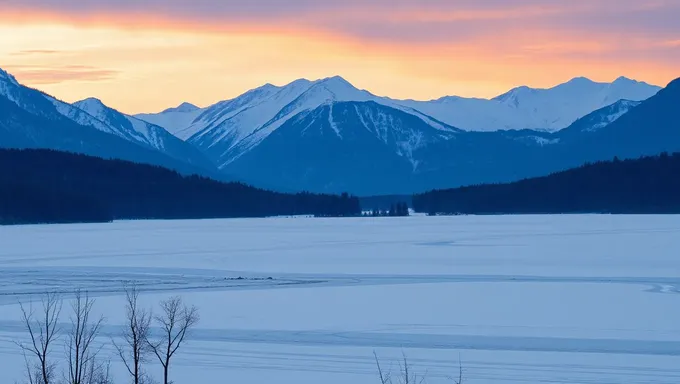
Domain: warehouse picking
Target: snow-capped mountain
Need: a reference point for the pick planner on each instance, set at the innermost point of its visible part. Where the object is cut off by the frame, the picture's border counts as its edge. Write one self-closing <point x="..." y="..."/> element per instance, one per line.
<point x="184" y="107"/>
<point x="521" y="108"/>
<point x="143" y="133"/>
<point x="529" y="108"/>
<point x="174" y="120"/>
<point x="231" y="128"/>
<point x="32" y="119"/>
<point x="370" y="148"/>
<point x="7" y="78"/>
<point x="558" y="107"/>
<point x="601" y="118"/>
<point x="358" y="146"/>
<point x="329" y="136"/>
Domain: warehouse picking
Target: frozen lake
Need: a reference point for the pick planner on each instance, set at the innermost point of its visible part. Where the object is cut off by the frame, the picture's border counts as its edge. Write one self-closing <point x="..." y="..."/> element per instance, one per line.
<point x="519" y="299"/>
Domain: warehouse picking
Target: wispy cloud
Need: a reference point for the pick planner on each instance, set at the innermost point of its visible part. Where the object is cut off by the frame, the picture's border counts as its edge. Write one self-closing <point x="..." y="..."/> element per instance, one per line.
<point x="55" y="75"/>
<point x="28" y="52"/>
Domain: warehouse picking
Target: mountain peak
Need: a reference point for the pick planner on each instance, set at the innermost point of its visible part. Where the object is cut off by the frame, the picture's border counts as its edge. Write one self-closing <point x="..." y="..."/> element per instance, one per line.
<point x="89" y="104"/>
<point x="335" y="81"/>
<point x="334" y="89"/>
<point x="513" y="94"/>
<point x="674" y="85"/>
<point x="7" y="77"/>
<point x="580" y="80"/>
<point x="184" y="107"/>
<point x="90" y="100"/>
<point x="624" y="79"/>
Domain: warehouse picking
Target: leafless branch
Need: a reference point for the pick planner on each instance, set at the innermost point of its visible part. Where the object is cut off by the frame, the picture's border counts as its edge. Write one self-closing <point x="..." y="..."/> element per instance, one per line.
<point x="175" y="320"/>
<point x="43" y="330"/>
<point x="80" y="351"/>
<point x="134" y="347"/>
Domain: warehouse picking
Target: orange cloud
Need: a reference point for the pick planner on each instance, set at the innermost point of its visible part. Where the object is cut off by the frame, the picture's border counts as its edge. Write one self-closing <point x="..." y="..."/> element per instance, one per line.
<point x="140" y="62"/>
<point x="56" y="75"/>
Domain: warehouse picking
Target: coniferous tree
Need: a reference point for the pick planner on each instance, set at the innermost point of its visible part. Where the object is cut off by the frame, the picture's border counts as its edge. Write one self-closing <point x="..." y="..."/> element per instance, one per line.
<point x="645" y="185"/>
<point x="45" y="186"/>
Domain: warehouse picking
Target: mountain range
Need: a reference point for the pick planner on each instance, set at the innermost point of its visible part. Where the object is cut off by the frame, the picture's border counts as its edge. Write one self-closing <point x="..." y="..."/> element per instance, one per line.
<point x="32" y="119"/>
<point x="328" y="136"/>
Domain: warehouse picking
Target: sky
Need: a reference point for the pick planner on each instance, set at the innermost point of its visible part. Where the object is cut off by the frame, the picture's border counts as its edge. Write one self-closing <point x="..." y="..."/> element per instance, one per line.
<point x="148" y="55"/>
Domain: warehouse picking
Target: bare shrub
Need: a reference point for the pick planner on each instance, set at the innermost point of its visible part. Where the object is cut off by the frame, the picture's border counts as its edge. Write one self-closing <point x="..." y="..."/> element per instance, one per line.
<point x="175" y="321"/>
<point x="134" y="347"/>
<point x="43" y="330"/>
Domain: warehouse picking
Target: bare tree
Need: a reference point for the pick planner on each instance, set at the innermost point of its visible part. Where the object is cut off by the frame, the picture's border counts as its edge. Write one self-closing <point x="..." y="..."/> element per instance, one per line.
<point x="175" y="321"/>
<point x="385" y="377"/>
<point x="99" y="374"/>
<point x="43" y="329"/>
<point x="80" y="351"/>
<point x="135" y="347"/>
<point x="460" y="372"/>
<point x="406" y="374"/>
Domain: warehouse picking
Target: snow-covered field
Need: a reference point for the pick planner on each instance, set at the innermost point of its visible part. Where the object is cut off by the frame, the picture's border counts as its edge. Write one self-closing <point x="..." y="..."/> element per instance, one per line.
<point x="519" y="299"/>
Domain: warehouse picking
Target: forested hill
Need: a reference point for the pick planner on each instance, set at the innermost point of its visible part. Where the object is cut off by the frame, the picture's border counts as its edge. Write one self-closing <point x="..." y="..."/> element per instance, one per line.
<point x="644" y="185"/>
<point x="44" y="186"/>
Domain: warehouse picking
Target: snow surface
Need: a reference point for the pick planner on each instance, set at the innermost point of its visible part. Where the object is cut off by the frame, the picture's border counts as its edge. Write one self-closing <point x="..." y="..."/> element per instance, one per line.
<point x="519" y="299"/>
<point x="174" y="121"/>
<point x="560" y="106"/>
<point x="141" y="132"/>
<point x="184" y="107"/>
<point x="5" y="76"/>
<point x="83" y="118"/>
<point x="528" y="108"/>
<point x="615" y="112"/>
<point x="542" y="141"/>
<point x="9" y="88"/>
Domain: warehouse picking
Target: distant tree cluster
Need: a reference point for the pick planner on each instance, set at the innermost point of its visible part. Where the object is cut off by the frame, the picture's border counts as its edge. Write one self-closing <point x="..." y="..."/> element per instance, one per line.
<point x="44" y="186"/>
<point x="644" y="185"/>
<point x="396" y="210"/>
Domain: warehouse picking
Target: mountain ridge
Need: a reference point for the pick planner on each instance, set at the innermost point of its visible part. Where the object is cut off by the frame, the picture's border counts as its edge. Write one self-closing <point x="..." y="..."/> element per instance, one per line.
<point x="145" y="133"/>
<point x="329" y="136"/>
<point x="479" y="114"/>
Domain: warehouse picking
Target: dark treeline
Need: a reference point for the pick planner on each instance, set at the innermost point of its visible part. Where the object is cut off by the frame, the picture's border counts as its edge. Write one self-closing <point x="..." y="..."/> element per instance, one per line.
<point x="645" y="185"/>
<point x="44" y="186"/>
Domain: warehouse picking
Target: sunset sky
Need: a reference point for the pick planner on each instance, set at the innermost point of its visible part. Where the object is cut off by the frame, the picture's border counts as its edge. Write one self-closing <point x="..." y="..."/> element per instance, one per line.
<point x="147" y="55"/>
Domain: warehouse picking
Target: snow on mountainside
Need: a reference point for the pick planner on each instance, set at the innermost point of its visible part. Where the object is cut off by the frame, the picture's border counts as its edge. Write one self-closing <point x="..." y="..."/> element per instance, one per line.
<point x="23" y="97"/>
<point x="612" y="113"/>
<point x="339" y="145"/>
<point x="174" y="120"/>
<point x="236" y="126"/>
<point x="230" y="128"/>
<point x="260" y="111"/>
<point x="32" y="119"/>
<point x="7" y="77"/>
<point x="469" y="114"/>
<point x="184" y="107"/>
<point x="558" y="107"/>
<point x="529" y="108"/>
<point x="322" y="92"/>
<point x="142" y="132"/>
